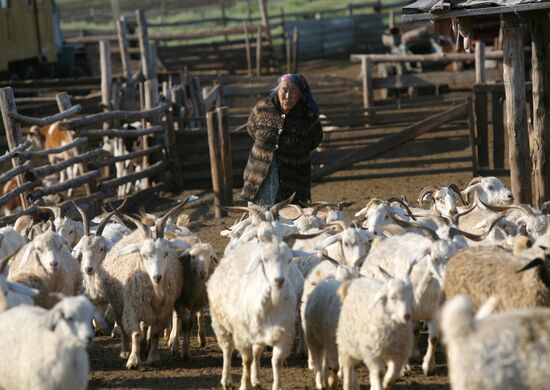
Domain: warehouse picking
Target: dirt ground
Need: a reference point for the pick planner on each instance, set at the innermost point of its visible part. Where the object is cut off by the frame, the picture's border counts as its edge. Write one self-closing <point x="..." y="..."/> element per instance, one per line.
<point x="404" y="171"/>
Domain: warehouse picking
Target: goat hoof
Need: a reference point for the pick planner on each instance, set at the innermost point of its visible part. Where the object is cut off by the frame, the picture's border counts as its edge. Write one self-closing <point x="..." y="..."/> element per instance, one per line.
<point x="124" y="355"/>
<point x="133" y="362"/>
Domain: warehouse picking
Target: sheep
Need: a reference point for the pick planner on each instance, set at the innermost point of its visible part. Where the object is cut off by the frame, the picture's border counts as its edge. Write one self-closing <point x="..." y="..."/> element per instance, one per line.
<point x="11" y="241"/>
<point x="490" y="191"/>
<point x="319" y="313"/>
<point x="142" y="286"/>
<point x="198" y="264"/>
<point x="508" y="350"/>
<point x="394" y="255"/>
<point x="71" y="231"/>
<point x="13" y="293"/>
<point x="47" y="349"/>
<point x="251" y="306"/>
<point x="47" y="257"/>
<point x="375" y="327"/>
<point x="482" y="272"/>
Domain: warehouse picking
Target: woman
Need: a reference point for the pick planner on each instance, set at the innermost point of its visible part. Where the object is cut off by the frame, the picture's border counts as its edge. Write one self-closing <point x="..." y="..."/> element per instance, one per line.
<point x="286" y="128"/>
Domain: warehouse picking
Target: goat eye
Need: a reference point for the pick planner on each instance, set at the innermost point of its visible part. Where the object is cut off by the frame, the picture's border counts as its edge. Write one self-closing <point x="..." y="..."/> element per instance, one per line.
<point x="70" y="319"/>
<point x="490" y="188"/>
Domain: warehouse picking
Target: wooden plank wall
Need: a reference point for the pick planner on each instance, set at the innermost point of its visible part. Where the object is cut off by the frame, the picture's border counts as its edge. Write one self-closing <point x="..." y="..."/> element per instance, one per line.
<point x="339" y="36"/>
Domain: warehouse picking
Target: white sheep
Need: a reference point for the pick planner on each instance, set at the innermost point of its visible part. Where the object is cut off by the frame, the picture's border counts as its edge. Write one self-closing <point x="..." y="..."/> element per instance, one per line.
<point x="47" y="349"/>
<point x="320" y="311"/>
<point x="71" y="231"/>
<point x="252" y="305"/>
<point x="375" y="328"/>
<point x="142" y="278"/>
<point x="47" y="257"/>
<point x="509" y="350"/>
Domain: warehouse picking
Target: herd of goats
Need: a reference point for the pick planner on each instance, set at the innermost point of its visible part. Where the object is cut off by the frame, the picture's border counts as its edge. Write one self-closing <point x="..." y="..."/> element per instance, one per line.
<point x="469" y="264"/>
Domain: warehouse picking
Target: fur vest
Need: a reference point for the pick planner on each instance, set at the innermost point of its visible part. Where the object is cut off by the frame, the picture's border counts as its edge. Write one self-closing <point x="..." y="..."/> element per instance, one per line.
<point x="292" y="138"/>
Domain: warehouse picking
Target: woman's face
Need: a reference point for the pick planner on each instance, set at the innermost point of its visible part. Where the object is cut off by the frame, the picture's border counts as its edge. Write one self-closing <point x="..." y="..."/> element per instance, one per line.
<point x="289" y="95"/>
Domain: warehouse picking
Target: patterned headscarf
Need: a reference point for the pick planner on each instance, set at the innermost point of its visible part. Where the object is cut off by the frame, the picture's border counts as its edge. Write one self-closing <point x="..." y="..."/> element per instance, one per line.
<point x="301" y="82"/>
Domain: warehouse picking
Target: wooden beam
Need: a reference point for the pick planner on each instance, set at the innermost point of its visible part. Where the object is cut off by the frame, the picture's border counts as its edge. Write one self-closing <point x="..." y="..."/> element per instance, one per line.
<point x="106" y="74"/>
<point x="498" y="129"/>
<point x="247" y="48"/>
<point x="540" y="43"/>
<point x="148" y="64"/>
<point x="216" y="168"/>
<point x="123" y="133"/>
<point x="392" y="141"/>
<point x="122" y="33"/>
<point x="48" y="120"/>
<point x="368" y="90"/>
<point x="13" y="133"/>
<point x="225" y="154"/>
<point x="480" y="62"/>
<point x="482" y="129"/>
<point x="514" y="85"/>
<point x="72" y="183"/>
<point x="16" y="151"/>
<point x="154" y="169"/>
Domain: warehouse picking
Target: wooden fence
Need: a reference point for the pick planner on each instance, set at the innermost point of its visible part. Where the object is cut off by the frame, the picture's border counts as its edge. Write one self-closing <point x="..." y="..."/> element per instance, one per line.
<point x="491" y="139"/>
<point x="91" y="187"/>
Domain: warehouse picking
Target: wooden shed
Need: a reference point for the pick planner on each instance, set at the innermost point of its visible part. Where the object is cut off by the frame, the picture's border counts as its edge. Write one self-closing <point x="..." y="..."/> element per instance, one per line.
<point x="529" y="150"/>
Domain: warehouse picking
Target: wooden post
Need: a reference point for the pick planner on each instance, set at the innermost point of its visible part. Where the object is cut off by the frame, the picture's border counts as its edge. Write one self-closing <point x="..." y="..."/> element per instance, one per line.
<point x="288" y="56"/>
<point x="295" y="49"/>
<point x="148" y="63"/>
<point x="63" y="104"/>
<point x="514" y="86"/>
<point x="480" y="63"/>
<point x="259" y="52"/>
<point x="247" y="48"/>
<point x="498" y="129"/>
<point x="540" y="58"/>
<point x="151" y="99"/>
<point x="225" y="151"/>
<point x="13" y="134"/>
<point x="265" y="20"/>
<point x="350" y="9"/>
<point x="115" y="7"/>
<point x="368" y="91"/>
<point x="215" y="162"/>
<point x="122" y="32"/>
<point x="482" y="132"/>
<point x="172" y="147"/>
<point x="472" y="134"/>
<point x="106" y="75"/>
<point x="392" y="19"/>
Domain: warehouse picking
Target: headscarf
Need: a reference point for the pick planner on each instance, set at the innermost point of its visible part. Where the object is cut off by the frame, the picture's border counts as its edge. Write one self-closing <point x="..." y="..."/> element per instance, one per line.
<point x="301" y="82"/>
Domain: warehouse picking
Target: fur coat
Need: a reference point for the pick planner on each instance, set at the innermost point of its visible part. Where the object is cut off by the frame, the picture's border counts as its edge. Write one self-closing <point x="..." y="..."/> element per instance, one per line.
<point x="292" y="138"/>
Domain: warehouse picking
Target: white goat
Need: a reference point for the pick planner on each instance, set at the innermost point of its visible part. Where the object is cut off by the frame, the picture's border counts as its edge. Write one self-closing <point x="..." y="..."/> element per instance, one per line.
<point x="253" y="305"/>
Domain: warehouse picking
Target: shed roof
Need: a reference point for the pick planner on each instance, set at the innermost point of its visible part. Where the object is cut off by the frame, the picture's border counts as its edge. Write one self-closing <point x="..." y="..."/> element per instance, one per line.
<point x="439" y="9"/>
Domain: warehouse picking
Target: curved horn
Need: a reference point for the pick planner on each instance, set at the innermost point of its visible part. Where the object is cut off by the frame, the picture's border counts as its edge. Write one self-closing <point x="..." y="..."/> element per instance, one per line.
<point x="300" y="209"/>
<point x="425" y="191"/>
<point x="85" y="220"/>
<point x="274" y="210"/>
<point x="497" y="209"/>
<point x="427" y="231"/>
<point x="457" y="217"/>
<point x="161" y="222"/>
<point x="475" y="180"/>
<point x="333" y="261"/>
<point x="321" y="206"/>
<point x="343" y="205"/>
<point x="56" y="211"/>
<point x="249" y="210"/>
<point x="474" y="237"/>
<point x="103" y="223"/>
<point x="341" y="224"/>
<point x="455" y="188"/>
<point x="144" y="229"/>
<point x="400" y="201"/>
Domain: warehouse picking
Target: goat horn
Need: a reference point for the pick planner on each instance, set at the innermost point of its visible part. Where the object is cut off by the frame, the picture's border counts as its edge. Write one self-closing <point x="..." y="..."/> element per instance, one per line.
<point x="520" y="207"/>
<point x="144" y="229"/>
<point x="429" y="232"/>
<point x="333" y="261"/>
<point x="475" y="180"/>
<point x="400" y="201"/>
<point x="340" y="224"/>
<point x="249" y="210"/>
<point x="274" y="210"/>
<point x="455" y="188"/>
<point x="103" y="223"/>
<point x="300" y="210"/>
<point x="425" y="191"/>
<point x="474" y="237"/>
<point x="321" y="206"/>
<point x="161" y="222"/>
<point x="85" y="220"/>
<point x="343" y="205"/>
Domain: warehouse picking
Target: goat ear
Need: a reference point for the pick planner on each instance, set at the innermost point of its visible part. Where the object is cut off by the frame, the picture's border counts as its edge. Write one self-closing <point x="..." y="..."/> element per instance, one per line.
<point x="253" y="264"/>
<point x="380" y="296"/>
<point x="179" y="244"/>
<point x="532" y="264"/>
<point x="26" y="255"/>
<point x="22" y="289"/>
<point x="54" y="316"/>
<point x="128" y="249"/>
<point x="330" y="240"/>
<point x="100" y="321"/>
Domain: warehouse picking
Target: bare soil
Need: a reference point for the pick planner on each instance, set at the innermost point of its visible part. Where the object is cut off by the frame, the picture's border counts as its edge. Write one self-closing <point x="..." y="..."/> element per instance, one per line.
<point x="437" y="158"/>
